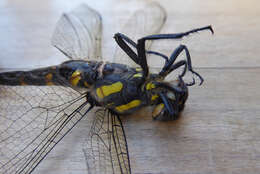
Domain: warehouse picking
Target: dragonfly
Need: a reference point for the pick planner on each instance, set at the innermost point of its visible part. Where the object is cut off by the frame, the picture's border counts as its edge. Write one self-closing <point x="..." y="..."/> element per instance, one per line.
<point x="39" y="107"/>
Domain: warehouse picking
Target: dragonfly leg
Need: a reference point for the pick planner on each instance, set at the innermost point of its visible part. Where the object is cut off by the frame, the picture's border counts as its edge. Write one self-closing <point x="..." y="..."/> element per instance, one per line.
<point x="121" y="41"/>
<point x="120" y="36"/>
<point x="176" y="66"/>
<point x="140" y="57"/>
<point x="141" y="43"/>
<point x="174" y="35"/>
<point x="170" y="66"/>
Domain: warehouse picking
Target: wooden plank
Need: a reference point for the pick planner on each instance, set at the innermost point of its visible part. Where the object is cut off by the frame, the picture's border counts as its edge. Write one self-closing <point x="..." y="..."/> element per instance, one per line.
<point x="26" y="32"/>
<point x="218" y="131"/>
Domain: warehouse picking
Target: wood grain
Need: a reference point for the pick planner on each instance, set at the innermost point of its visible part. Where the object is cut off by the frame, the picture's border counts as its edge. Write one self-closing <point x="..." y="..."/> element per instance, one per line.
<point x="218" y="132"/>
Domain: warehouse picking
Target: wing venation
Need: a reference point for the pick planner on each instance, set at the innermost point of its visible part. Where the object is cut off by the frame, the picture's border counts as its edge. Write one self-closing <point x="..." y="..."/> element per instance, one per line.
<point x="106" y="150"/>
<point x="78" y="34"/>
<point x="33" y="120"/>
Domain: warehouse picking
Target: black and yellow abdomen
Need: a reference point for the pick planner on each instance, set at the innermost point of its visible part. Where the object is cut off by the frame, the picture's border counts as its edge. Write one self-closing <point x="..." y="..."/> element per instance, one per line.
<point x="38" y="77"/>
<point x="114" y="86"/>
<point x="70" y="73"/>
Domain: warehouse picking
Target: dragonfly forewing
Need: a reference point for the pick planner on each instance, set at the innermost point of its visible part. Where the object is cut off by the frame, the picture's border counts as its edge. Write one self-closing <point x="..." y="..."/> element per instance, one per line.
<point x="78" y="34"/>
<point x="33" y="120"/>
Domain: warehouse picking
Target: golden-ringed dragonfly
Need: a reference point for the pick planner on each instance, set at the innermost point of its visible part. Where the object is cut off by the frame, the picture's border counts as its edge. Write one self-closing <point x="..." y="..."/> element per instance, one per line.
<point x="40" y="106"/>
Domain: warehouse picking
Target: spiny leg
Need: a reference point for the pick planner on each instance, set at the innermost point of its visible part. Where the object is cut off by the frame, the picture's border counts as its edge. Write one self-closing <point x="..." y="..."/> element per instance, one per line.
<point x="168" y="67"/>
<point x="141" y="44"/>
<point x="176" y="66"/>
<point x="140" y="57"/>
<point x="121" y="40"/>
<point x="165" y="70"/>
<point x="176" y="35"/>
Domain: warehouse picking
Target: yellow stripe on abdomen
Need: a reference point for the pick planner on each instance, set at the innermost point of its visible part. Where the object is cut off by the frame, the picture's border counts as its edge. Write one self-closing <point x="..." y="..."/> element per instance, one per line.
<point x="150" y="86"/>
<point x="130" y="105"/>
<point x="107" y="90"/>
<point x="48" y="79"/>
<point x="75" y="78"/>
<point x="154" y="97"/>
<point x="138" y="75"/>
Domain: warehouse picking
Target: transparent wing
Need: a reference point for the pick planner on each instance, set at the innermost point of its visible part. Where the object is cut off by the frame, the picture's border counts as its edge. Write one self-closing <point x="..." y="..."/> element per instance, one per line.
<point x="33" y="119"/>
<point x="106" y="150"/>
<point x="146" y="21"/>
<point x="78" y="33"/>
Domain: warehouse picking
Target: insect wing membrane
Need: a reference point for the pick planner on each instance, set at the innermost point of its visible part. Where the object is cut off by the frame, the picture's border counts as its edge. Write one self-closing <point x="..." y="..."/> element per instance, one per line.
<point x="145" y="21"/>
<point x="78" y="34"/>
<point x="106" y="149"/>
<point x="33" y="120"/>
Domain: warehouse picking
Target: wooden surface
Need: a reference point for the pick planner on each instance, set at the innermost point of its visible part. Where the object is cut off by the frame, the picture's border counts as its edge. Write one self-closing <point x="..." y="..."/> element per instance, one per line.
<point x="218" y="132"/>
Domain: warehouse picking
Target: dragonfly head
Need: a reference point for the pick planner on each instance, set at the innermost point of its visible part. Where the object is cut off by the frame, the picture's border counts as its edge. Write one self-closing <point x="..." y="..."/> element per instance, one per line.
<point x="169" y="98"/>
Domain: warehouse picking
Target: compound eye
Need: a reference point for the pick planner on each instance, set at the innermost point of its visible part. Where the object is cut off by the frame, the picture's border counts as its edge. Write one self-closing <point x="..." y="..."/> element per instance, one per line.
<point x="158" y="110"/>
<point x="171" y="95"/>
